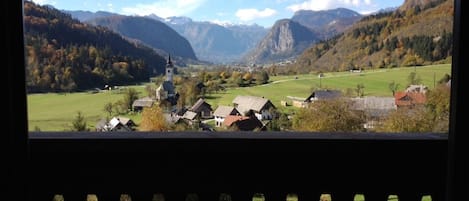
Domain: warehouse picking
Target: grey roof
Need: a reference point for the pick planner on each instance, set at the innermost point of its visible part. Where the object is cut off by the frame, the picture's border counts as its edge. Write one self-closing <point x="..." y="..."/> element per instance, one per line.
<point x="189" y="115"/>
<point x="120" y="120"/>
<point x="168" y="87"/>
<point x="197" y="107"/>
<point x="375" y="106"/>
<point x="324" y="94"/>
<point x="171" y="118"/>
<point x="246" y="103"/>
<point x="223" y="111"/>
<point x="143" y="102"/>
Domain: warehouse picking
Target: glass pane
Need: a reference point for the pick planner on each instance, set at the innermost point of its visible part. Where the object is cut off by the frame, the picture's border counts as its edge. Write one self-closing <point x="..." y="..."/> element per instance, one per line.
<point x="206" y="65"/>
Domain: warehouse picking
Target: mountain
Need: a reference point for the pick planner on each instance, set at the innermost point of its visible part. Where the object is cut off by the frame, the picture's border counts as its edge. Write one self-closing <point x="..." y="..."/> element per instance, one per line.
<point x="327" y="22"/>
<point x="290" y="37"/>
<point x="405" y="37"/>
<point x="63" y="54"/>
<point x="151" y="32"/>
<point x="285" y="39"/>
<point x="87" y="15"/>
<point x="216" y="43"/>
<point x="420" y="4"/>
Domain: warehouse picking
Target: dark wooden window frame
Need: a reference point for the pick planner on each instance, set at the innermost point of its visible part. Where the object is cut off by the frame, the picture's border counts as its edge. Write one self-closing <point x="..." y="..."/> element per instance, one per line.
<point x="74" y="164"/>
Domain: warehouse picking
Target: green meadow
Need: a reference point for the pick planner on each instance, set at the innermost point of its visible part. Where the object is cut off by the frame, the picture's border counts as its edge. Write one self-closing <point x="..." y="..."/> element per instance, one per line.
<point x="56" y="111"/>
<point x="376" y="83"/>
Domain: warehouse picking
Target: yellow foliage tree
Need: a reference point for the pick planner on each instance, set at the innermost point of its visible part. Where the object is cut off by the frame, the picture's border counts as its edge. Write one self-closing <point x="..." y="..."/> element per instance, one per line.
<point x="153" y="119"/>
<point x="329" y="116"/>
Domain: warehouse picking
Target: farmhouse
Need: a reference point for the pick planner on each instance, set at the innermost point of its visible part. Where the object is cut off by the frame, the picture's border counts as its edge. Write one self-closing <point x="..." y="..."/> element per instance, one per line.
<point x="324" y="94"/>
<point x="202" y="109"/>
<point x="115" y="124"/>
<point x="243" y="123"/>
<point x="259" y="106"/>
<point x="409" y="99"/>
<point x="222" y="112"/>
<point x="141" y="103"/>
<point x="375" y="109"/>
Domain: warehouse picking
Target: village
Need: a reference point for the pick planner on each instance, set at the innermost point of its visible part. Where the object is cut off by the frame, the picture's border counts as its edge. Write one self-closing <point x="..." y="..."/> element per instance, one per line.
<point x="257" y="113"/>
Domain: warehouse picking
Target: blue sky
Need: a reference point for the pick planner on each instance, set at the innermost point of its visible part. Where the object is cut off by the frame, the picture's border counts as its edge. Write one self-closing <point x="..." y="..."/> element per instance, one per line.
<point x="261" y="12"/>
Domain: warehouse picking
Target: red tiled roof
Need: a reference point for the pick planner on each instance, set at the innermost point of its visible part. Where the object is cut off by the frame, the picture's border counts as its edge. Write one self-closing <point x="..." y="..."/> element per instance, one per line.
<point x="409" y="98"/>
<point x="230" y="119"/>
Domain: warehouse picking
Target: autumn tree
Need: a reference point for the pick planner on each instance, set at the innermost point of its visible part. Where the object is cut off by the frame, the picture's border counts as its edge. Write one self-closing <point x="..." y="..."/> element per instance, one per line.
<point x="413" y="78"/>
<point x="329" y="116"/>
<point x="438" y="104"/>
<point x="444" y="79"/>
<point x="130" y="95"/>
<point x="261" y="77"/>
<point x="406" y="120"/>
<point x="393" y="87"/>
<point x="153" y="119"/>
<point x="79" y="122"/>
<point x="108" y="107"/>
<point x="360" y="90"/>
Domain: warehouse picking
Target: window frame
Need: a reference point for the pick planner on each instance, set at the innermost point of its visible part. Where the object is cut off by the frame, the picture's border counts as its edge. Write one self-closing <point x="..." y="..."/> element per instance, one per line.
<point x="29" y="150"/>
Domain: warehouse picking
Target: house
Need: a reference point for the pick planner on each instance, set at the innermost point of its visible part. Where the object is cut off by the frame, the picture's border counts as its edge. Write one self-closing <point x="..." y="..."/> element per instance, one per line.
<point x="420" y="88"/>
<point x="409" y="99"/>
<point x="375" y="109"/>
<point x="115" y="124"/>
<point x="222" y="112"/>
<point x="324" y="94"/>
<point x="190" y="117"/>
<point x="259" y="106"/>
<point x="172" y="118"/>
<point x="297" y="101"/>
<point x="141" y="103"/>
<point x="243" y="123"/>
<point x="203" y="109"/>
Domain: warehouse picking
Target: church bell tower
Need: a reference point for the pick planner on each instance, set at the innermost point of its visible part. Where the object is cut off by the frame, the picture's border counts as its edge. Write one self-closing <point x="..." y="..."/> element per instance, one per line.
<point x="169" y="70"/>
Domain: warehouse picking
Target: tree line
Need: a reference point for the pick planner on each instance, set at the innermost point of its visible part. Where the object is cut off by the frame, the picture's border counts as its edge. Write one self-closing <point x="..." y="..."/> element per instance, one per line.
<point x="63" y="54"/>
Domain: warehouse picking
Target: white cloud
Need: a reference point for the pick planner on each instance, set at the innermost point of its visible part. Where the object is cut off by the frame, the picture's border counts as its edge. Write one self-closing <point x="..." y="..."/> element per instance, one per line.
<point x="252" y="13"/>
<point x="110" y="7"/>
<point x="328" y="4"/>
<point x="44" y="2"/>
<point x="164" y="8"/>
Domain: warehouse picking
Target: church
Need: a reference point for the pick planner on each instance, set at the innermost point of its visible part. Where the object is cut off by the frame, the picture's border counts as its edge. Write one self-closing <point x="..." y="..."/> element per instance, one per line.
<point x="166" y="91"/>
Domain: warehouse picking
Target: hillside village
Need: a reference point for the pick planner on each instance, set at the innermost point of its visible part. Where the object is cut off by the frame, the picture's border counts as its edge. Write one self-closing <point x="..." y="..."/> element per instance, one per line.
<point x="254" y="113"/>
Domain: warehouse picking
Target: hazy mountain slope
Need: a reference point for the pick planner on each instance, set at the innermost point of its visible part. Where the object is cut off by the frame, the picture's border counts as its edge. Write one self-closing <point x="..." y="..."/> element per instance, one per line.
<point x="88" y="15"/>
<point x="151" y="32"/>
<point x="327" y="22"/>
<point x="286" y="39"/>
<point x="216" y="43"/>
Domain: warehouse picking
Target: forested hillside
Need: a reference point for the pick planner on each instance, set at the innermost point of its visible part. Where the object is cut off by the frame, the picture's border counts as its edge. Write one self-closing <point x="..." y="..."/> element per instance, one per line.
<point x="409" y="36"/>
<point x="63" y="54"/>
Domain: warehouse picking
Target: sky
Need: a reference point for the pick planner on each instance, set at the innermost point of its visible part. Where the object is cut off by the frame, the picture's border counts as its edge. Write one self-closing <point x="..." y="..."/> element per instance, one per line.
<point x="261" y="12"/>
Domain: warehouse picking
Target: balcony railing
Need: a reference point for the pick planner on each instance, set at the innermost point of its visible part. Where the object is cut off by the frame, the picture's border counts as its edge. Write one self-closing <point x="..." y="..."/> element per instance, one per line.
<point x="239" y="164"/>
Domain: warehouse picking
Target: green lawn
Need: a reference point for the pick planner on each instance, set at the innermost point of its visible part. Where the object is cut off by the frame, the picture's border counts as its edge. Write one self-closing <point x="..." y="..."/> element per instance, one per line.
<point x="376" y="83"/>
<point x="55" y="112"/>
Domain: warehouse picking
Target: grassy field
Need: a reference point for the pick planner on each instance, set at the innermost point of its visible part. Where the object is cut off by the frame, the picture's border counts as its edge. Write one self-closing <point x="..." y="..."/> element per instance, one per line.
<point x="55" y="112"/>
<point x="375" y="81"/>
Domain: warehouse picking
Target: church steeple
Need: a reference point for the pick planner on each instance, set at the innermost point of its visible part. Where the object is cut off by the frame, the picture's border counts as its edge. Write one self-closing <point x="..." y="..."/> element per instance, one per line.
<point x="169" y="70"/>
